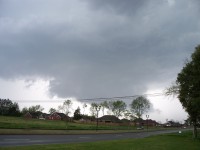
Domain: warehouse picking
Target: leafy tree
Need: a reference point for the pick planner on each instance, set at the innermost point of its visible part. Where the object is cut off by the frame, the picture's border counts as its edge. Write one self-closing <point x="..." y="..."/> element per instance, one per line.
<point x="60" y="108"/>
<point x="187" y="121"/>
<point x="139" y="106"/>
<point x="67" y="106"/>
<point x="14" y="110"/>
<point x="104" y="105"/>
<point x="8" y="108"/>
<point x="84" y="106"/>
<point x="52" y="110"/>
<point x="94" y="109"/>
<point x="118" y="107"/>
<point x="77" y="114"/>
<point x="24" y="110"/>
<point x="188" y="88"/>
<point x="5" y="105"/>
<point x="36" y="108"/>
<point x="127" y="114"/>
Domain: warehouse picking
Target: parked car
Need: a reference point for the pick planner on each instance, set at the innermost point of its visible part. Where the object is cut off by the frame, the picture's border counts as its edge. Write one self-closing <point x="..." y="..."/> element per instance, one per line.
<point x="140" y="128"/>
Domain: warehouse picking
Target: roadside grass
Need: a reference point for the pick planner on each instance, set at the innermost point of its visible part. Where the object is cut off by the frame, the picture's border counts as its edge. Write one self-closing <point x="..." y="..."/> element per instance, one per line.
<point x="173" y="141"/>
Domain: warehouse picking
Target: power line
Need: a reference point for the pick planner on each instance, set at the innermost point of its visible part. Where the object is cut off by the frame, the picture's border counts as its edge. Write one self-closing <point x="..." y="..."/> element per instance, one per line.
<point x="99" y="99"/>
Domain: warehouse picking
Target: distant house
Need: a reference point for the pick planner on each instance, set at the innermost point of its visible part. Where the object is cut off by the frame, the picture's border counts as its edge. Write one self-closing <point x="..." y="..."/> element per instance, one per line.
<point x="32" y="115"/>
<point x="58" y="116"/>
<point x="138" y="122"/>
<point x="141" y="122"/>
<point x="172" y="124"/>
<point x="150" y="122"/>
<point x="28" y="115"/>
<point x="125" y="120"/>
<point x="109" y="119"/>
<point x="86" y="118"/>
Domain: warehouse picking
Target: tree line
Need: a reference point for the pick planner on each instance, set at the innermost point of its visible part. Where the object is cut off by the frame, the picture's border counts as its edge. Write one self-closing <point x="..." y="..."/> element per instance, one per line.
<point x="8" y="108"/>
<point x="118" y="108"/>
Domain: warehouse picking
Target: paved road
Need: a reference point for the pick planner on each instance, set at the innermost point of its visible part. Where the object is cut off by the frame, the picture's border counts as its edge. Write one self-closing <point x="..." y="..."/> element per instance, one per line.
<point x="22" y="140"/>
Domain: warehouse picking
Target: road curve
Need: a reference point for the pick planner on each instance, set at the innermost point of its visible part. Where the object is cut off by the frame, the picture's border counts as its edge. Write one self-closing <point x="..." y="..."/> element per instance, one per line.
<point x="24" y="140"/>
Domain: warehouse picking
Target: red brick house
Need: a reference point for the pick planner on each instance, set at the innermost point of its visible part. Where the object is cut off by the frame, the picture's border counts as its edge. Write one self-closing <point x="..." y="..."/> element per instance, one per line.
<point x="32" y="115"/>
<point x="150" y="122"/>
<point x="58" y="116"/>
<point x="28" y="115"/>
<point x="141" y="122"/>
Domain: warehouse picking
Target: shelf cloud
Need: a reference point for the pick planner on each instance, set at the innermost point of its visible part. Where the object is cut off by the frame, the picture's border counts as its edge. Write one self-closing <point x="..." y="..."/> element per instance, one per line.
<point x="100" y="48"/>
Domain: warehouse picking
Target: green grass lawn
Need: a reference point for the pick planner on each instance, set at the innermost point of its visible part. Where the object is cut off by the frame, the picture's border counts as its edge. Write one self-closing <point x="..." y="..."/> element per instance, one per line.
<point x="22" y="123"/>
<point x="174" y="141"/>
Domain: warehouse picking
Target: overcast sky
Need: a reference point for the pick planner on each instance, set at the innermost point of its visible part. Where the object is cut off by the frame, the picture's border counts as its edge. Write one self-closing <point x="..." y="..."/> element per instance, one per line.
<point x="54" y="49"/>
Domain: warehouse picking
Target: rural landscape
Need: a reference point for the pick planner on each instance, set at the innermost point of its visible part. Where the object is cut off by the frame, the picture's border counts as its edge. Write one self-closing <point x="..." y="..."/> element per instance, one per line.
<point x="121" y="117"/>
<point x="32" y="121"/>
<point x="99" y="74"/>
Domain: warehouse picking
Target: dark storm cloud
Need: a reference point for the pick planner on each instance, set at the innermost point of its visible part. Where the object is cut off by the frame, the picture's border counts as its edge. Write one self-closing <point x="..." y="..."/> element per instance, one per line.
<point x="90" y="52"/>
<point x="118" y="6"/>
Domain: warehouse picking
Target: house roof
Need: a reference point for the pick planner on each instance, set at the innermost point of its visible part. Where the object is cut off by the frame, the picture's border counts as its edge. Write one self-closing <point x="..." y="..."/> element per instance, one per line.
<point x="109" y="118"/>
<point x="85" y="117"/>
<point x="125" y="120"/>
<point x="44" y="115"/>
<point x="150" y="121"/>
<point x="145" y="121"/>
<point x="34" y="114"/>
<point x="27" y="114"/>
<point x="62" y="115"/>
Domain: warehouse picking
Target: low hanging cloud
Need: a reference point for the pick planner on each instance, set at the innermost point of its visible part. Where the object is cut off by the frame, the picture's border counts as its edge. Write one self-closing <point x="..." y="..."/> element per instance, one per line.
<point x="117" y="6"/>
<point x="97" y="48"/>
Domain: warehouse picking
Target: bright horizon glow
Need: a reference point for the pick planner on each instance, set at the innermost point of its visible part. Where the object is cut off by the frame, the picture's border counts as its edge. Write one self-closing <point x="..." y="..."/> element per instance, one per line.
<point x="166" y="107"/>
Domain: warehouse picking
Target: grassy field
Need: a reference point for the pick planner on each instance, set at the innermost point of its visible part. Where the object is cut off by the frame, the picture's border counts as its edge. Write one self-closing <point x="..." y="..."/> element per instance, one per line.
<point x="21" y="123"/>
<point x="174" y="141"/>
